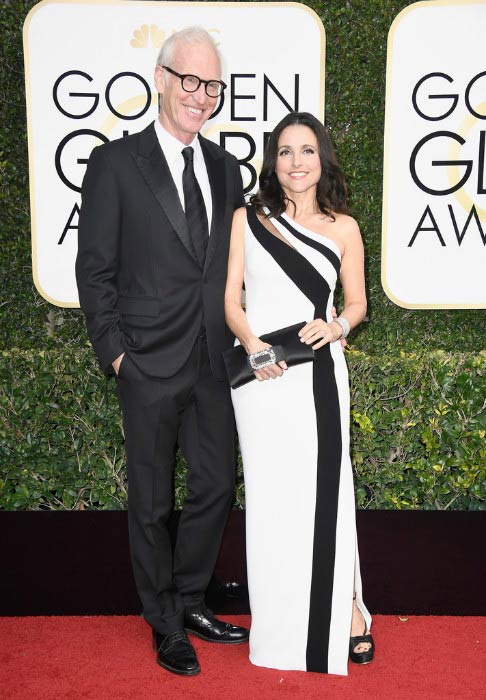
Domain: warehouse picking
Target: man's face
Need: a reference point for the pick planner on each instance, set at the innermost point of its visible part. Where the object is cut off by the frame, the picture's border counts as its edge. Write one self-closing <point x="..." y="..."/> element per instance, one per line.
<point x="184" y="113"/>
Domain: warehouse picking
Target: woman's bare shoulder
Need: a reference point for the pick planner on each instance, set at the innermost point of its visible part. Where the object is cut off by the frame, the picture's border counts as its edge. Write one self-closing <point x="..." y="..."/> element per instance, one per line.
<point x="346" y="224"/>
<point x="347" y="232"/>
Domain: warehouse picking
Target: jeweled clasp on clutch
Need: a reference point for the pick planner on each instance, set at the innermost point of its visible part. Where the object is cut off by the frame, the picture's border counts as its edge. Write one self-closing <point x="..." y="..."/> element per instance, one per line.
<point x="262" y="358"/>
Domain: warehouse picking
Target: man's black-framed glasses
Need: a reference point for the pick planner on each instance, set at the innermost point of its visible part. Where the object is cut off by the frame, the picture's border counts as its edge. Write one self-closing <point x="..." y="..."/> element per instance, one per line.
<point x="191" y="83"/>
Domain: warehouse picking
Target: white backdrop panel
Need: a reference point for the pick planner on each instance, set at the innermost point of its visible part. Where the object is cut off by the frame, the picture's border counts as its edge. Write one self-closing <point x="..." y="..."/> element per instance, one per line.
<point x="273" y="62"/>
<point x="435" y="52"/>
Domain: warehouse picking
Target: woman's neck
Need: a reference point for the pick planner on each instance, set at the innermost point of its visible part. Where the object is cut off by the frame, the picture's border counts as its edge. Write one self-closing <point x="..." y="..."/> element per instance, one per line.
<point x="305" y="204"/>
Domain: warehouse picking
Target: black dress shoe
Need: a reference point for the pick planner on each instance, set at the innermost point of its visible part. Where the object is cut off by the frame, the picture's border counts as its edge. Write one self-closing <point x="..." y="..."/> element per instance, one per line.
<point x="203" y="624"/>
<point x="176" y="653"/>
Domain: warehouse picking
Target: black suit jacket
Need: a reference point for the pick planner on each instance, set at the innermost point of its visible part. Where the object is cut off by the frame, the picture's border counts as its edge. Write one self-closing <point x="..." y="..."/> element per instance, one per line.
<point x="140" y="285"/>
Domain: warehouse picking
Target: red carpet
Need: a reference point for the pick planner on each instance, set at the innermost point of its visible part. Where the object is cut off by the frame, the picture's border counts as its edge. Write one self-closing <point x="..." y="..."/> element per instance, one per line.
<point x="110" y="658"/>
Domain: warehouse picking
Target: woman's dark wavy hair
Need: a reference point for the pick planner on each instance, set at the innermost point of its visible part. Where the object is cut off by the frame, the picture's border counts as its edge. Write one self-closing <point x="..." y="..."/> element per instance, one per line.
<point x="331" y="194"/>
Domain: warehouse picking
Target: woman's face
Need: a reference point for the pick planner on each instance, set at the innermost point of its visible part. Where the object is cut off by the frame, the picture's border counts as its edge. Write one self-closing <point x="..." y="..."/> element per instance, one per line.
<point x="298" y="166"/>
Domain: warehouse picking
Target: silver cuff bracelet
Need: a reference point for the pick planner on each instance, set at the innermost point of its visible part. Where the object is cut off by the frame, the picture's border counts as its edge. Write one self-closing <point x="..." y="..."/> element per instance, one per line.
<point x="344" y="323"/>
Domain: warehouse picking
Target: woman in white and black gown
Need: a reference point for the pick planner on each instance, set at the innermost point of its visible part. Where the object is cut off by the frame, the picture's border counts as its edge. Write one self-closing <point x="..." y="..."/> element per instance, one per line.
<point x="288" y="248"/>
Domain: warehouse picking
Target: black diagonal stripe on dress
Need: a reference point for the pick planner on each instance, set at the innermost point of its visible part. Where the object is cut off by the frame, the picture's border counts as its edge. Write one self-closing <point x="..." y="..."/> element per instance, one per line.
<point x="328" y="421"/>
<point x="321" y="247"/>
<point x="294" y="264"/>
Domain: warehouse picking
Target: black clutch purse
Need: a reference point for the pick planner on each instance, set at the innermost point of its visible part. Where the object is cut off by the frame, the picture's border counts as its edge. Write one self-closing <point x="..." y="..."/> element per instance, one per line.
<point x="286" y="344"/>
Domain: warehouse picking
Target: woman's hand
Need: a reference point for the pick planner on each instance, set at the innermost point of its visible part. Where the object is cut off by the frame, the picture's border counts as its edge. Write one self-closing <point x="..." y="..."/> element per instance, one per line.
<point x="116" y="363"/>
<point x="270" y="372"/>
<point x="318" y="333"/>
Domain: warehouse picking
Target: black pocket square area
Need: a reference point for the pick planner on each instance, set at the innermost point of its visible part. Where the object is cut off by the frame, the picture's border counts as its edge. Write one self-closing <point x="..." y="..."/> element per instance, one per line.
<point x="295" y="353"/>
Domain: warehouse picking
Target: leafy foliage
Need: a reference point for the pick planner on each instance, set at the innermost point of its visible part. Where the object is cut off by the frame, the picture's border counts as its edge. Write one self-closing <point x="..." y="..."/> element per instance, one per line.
<point x="418" y="381"/>
<point x="418" y="429"/>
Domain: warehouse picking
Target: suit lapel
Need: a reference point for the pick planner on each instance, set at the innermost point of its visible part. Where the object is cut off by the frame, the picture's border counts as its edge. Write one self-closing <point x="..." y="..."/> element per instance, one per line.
<point x="216" y="175"/>
<point x="153" y="166"/>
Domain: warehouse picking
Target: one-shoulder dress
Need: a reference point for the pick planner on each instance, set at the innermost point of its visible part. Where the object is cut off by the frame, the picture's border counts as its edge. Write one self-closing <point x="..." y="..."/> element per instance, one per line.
<point x="302" y="554"/>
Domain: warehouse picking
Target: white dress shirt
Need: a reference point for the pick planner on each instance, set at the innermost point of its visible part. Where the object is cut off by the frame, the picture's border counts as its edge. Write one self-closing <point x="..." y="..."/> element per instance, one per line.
<point x="172" y="150"/>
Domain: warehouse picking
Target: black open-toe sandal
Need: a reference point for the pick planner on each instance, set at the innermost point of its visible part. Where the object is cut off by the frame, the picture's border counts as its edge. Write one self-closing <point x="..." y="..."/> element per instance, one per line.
<point x="362" y="657"/>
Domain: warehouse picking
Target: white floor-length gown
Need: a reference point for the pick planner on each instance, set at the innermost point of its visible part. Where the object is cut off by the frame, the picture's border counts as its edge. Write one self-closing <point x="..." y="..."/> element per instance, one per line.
<point x="302" y="554"/>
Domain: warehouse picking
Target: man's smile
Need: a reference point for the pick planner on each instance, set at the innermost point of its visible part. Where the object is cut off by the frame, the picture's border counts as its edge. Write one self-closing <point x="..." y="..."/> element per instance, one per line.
<point x="193" y="111"/>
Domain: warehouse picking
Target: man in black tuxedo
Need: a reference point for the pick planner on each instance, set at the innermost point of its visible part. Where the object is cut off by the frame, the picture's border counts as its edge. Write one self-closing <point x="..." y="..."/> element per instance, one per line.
<point x="154" y="234"/>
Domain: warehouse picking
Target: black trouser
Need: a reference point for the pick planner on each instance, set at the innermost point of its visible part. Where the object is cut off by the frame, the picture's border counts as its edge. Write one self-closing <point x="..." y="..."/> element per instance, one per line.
<point x="192" y="410"/>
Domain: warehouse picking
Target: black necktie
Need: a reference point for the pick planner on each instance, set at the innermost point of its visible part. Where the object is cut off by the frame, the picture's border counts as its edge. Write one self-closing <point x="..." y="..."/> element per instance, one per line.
<point x="197" y="218"/>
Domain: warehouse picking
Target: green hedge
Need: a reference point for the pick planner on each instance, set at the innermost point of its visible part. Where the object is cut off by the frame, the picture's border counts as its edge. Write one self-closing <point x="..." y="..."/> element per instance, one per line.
<point x="61" y="444"/>
<point x="418" y="429"/>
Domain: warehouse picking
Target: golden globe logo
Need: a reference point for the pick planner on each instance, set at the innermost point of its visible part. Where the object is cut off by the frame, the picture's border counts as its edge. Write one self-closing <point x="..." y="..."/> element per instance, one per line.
<point x="434" y="187"/>
<point x="433" y="107"/>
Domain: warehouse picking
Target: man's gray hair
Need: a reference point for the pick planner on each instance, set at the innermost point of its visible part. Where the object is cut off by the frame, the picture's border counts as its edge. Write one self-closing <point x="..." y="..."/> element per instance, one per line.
<point x="188" y="35"/>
